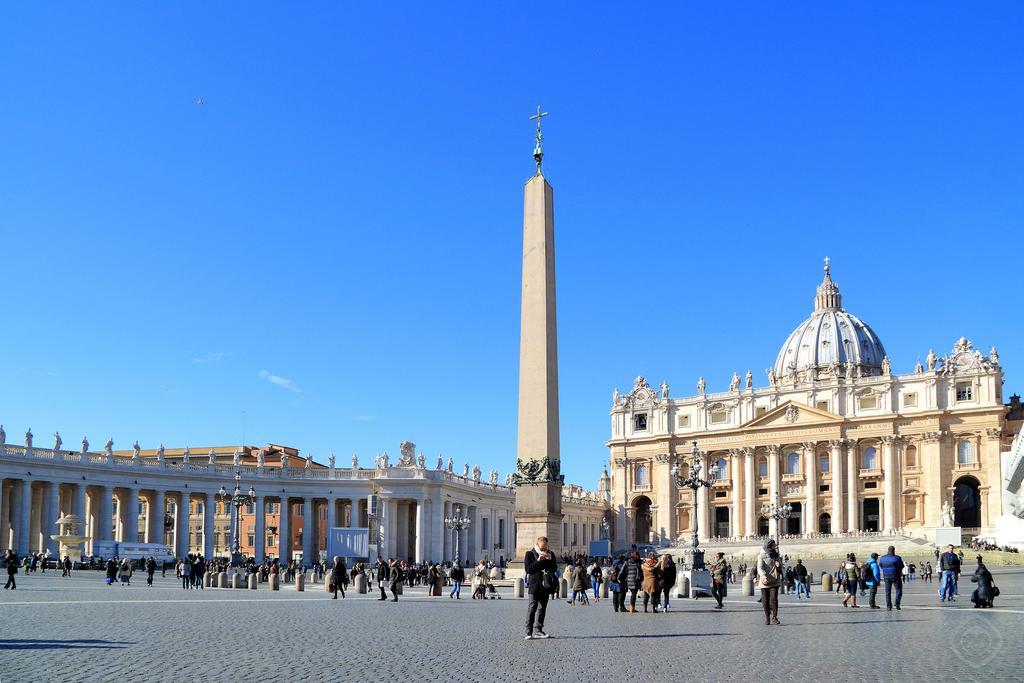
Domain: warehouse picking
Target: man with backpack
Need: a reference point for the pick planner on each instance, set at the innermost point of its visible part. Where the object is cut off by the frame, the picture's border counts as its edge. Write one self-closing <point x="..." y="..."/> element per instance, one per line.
<point x="891" y="565"/>
<point x="540" y="567"/>
<point x="872" y="576"/>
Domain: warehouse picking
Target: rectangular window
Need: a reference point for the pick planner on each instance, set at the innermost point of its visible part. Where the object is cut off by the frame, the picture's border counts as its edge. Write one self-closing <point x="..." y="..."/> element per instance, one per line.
<point x="250" y="509"/>
<point x="719" y="417"/>
<point x="640" y="422"/>
<point x="871" y="485"/>
<point x="823" y="464"/>
<point x="575" y="534"/>
<point x="762" y="492"/>
<point x="760" y="410"/>
<point x="868" y="402"/>
<point x="721" y="494"/>
<point x="964" y="392"/>
<point x="910" y="400"/>
<point x="501" y="533"/>
<point x="271" y="541"/>
<point x="684" y="421"/>
<point x="199" y="508"/>
<point x="565" y="530"/>
<point x="250" y="540"/>
<point x="762" y="469"/>
<point x="823" y="488"/>
<point x="822" y="405"/>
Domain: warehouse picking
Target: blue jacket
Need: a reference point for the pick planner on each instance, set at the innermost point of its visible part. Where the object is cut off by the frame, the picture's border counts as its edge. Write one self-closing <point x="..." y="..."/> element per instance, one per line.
<point x="875" y="577"/>
<point x="892" y="566"/>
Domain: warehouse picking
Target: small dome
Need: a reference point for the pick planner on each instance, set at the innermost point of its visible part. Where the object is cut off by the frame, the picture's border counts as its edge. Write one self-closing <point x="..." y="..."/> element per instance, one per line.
<point x="831" y="341"/>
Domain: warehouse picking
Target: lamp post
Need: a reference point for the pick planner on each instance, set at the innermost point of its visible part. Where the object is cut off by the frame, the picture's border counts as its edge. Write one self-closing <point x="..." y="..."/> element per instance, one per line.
<point x="237" y="500"/>
<point x="778" y="513"/>
<point x="694" y="481"/>
<point x="457" y="523"/>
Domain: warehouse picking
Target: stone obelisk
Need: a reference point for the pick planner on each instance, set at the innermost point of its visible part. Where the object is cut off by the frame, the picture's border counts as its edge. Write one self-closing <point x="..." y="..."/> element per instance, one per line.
<point x="538" y="471"/>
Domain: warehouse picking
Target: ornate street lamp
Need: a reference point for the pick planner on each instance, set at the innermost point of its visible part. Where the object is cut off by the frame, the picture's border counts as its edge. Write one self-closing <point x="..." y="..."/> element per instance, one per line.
<point x="778" y="513"/>
<point x="694" y="481"/>
<point x="238" y="500"/>
<point x="457" y="523"/>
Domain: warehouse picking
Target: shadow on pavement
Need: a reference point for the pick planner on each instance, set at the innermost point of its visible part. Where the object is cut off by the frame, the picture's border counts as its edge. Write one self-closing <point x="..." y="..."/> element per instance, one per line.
<point x="19" y="644"/>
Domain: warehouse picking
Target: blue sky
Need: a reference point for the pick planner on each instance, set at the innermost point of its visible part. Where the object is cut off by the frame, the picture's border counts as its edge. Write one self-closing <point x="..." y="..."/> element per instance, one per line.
<point x="330" y="244"/>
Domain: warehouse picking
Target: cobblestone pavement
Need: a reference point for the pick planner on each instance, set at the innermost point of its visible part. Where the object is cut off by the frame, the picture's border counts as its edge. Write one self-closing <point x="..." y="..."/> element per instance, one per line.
<point x="79" y="629"/>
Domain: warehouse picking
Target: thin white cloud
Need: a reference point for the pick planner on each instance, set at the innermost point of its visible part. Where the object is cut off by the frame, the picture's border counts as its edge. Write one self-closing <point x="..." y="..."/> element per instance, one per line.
<point x="365" y="418"/>
<point x="212" y="357"/>
<point x="282" y="382"/>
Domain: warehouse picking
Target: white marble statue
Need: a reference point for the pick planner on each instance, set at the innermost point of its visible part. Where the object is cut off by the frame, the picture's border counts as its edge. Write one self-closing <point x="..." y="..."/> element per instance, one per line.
<point x="476" y="473"/>
<point x="771" y="376"/>
<point x="750" y="380"/>
<point x="947" y="513"/>
<point x="407" y="454"/>
<point x="918" y="368"/>
<point x="108" y="447"/>
<point x="931" y="359"/>
<point x="421" y="462"/>
<point x="734" y="383"/>
<point x="615" y="397"/>
<point x="3" y="436"/>
<point x="160" y="454"/>
<point x="330" y="461"/>
<point x="378" y="461"/>
<point x="28" y="438"/>
<point x="309" y="461"/>
<point x="494" y="477"/>
<point x="993" y="356"/>
<point x="385" y="460"/>
<point x="465" y="470"/>
<point x="701" y="385"/>
<point x="85" y="445"/>
<point x="57" y="441"/>
<point x="185" y="455"/>
<point x="440" y="462"/>
<point x="212" y="457"/>
<point x="508" y="479"/>
<point x="236" y="457"/>
<point x="451" y="465"/>
<point x="135" y="450"/>
<point x="284" y="461"/>
<point x="261" y="459"/>
<point x="664" y="390"/>
<point x="886" y="366"/>
<point x="355" y="461"/>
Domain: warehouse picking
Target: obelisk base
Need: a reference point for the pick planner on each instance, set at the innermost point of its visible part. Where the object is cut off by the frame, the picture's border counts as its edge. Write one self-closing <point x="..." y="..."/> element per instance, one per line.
<point x="538" y="513"/>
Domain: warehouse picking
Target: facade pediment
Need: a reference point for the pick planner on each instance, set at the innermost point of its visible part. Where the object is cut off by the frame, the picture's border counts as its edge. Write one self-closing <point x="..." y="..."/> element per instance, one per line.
<point x="791" y="414"/>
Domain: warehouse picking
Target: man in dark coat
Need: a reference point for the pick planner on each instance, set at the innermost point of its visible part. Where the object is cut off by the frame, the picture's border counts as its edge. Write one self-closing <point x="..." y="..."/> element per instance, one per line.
<point x="984" y="594"/>
<point x="382" y="578"/>
<point x="339" y="577"/>
<point x="540" y="567"/>
<point x="719" y="568"/>
<point x="11" y="563"/>
<point x="394" y="579"/>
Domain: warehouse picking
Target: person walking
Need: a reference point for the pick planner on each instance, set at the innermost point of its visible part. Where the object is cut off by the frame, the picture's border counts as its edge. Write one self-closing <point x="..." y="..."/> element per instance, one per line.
<point x="949" y="565"/>
<point x="394" y="579"/>
<point x="668" y="580"/>
<point x="66" y="566"/>
<point x="891" y="566"/>
<point x="851" y="570"/>
<point x="927" y="572"/>
<point x="872" y="576"/>
<point x="150" y="570"/>
<point x="769" y="576"/>
<point x="11" y="564"/>
<point x="719" y="578"/>
<point x="616" y="584"/>
<point x="185" y="570"/>
<point x="595" y="580"/>
<point x="651" y="582"/>
<point x="111" y="571"/>
<point x="383" y="570"/>
<point x="540" y="567"/>
<point x="579" y="582"/>
<point x="339" y="577"/>
<point x="481" y="579"/>
<point x="457" y="575"/>
<point x="800" y="578"/>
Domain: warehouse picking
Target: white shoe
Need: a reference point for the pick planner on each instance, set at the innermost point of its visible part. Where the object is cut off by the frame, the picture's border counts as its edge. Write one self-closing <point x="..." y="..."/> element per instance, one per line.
<point x="528" y="637"/>
<point x="541" y="634"/>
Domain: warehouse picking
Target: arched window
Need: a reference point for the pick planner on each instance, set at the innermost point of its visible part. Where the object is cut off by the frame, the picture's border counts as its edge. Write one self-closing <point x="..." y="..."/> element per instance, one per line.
<point x="762" y="468"/>
<point x="643" y="475"/>
<point x="911" y="456"/>
<point x="965" y="452"/>
<point x="870" y="458"/>
<point x="793" y="463"/>
<point x="723" y="470"/>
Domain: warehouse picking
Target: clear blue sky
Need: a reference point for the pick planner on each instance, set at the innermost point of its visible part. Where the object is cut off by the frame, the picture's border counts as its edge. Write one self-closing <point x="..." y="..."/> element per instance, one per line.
<point x="331" y="243"/>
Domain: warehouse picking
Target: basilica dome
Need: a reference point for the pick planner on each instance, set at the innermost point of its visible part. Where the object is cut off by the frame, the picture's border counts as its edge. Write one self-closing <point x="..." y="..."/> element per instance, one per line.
<point x="830" y="342"/>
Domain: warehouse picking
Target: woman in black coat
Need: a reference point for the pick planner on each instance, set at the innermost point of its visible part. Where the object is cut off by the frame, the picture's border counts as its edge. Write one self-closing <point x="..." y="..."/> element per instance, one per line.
<point x="984" y="594"/>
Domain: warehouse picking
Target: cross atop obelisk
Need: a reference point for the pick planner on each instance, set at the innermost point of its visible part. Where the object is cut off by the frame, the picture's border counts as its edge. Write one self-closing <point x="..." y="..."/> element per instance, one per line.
<point x="538" y="149"/>
<point x="538" y="474"/>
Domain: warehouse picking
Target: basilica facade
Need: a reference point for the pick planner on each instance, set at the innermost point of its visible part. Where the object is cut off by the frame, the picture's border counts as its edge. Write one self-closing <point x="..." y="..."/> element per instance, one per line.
<point x="849" y="444"/>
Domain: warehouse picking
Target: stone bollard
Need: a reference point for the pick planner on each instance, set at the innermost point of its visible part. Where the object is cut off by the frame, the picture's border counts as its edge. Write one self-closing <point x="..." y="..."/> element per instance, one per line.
<point x="826" y="582"/>
<point x="683" y="587"/>
<point x="518" y="588"/>
<point x="253" y="581"/>
<point x="208" y="579"/>
<point x="275" y="582"/>
<point x="300" y="583"/>
<point x="604" y="589"/>
<point x="236" y="580"/>
<point x="222" y="580"/>
<point x="361" y="584"/>
<point x="747" y="585"/>
<point x="563" y="589"/>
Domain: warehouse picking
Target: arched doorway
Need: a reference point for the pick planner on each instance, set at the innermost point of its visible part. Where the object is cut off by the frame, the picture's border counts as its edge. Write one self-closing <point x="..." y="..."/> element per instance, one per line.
<point x="967" y="503"/>
<point x="870" y="514"/>
<point x="793" y="523"/>
<point x="825" y="523"/>
<point x="642" y="520"/>
<point x="722" y="522"/>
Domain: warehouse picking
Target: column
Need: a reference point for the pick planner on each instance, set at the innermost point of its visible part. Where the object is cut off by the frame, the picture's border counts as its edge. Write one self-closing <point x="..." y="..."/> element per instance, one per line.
<point x="209" y="508"/>
<point x="421" y="529"/>
<point x="259" y="529"/>
<point x="37" y="511"/>
<point x="661" y="477"/>
<point x="49" y="526"/>
<point x="181" y="525"/>
<point x="736" y="514"/>
<point x="24" y="517"/>
<point x="332" y="513"/>
<point x="390" y="528"/>
<point x="157" y="513"/>
<point x="353" y="518"/>
<point x="838" y="476"/>
<point x="436" y="525"/>
<point x="446" y="544"/>
<point x="889" y="476"/>
<point x="132" y="521"/>
<point x="810" y="488"/>
<point x="774" y="483"/>
<point x="402" y="531"/>
<point x="5" y="516"/>
<point x="284" y="529"/>
<point x="106" y="513"/>
<point x="851" y="494"/>
<point x="308" y="532"/>
<point x="233" y="520"/>
<point x="749" y="489"/>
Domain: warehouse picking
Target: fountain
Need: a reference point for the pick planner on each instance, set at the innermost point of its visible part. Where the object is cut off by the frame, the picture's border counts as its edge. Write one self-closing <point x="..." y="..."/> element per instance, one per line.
<point x="68" y="538"/>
